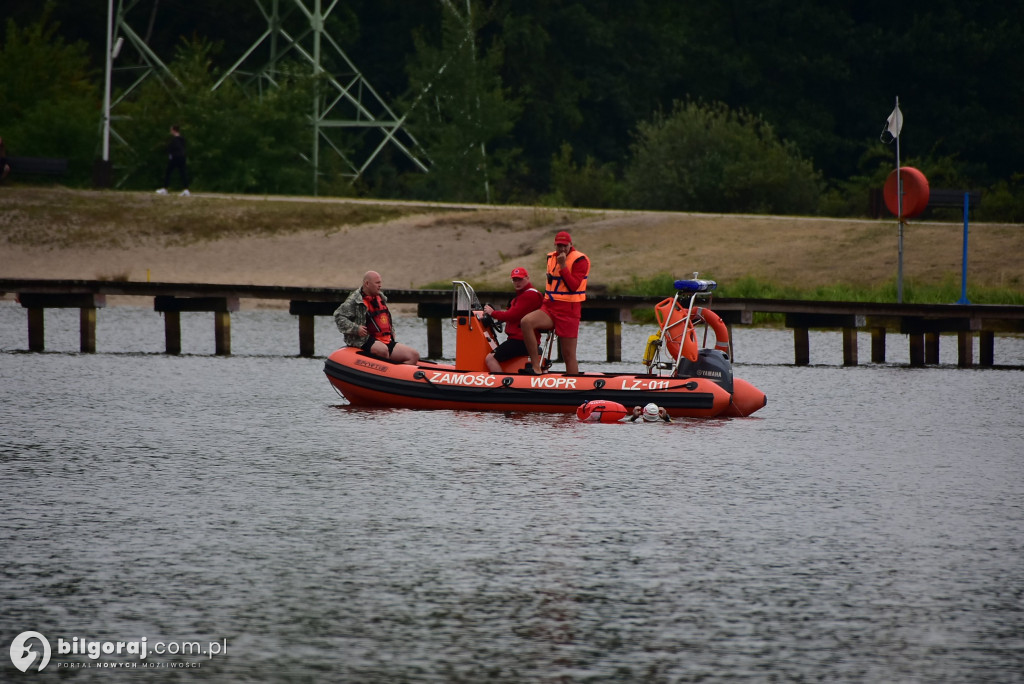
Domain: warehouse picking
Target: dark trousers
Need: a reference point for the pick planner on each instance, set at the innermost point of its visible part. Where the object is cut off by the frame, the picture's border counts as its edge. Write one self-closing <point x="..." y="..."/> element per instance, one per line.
<point x="179" y="164"/>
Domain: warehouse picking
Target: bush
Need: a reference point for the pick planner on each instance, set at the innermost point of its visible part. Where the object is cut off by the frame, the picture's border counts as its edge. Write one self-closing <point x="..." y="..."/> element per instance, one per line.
<point x="709" y="158"/>
<point x="592" y="185"/>
<point x="1004" y="202"/>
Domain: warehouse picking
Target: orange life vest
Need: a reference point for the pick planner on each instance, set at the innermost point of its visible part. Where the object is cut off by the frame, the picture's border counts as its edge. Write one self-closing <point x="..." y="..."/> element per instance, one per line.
<point x="557" y="290"/>
<point x="378" y="319"/>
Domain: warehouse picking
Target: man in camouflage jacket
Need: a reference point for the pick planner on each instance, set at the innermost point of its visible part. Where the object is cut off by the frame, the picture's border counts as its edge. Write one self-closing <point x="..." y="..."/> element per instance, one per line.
<point x="377" y="338"/>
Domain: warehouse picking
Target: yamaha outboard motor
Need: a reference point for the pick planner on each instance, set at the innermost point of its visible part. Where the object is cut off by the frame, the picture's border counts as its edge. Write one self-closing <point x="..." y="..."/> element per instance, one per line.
<point x="711" y="364"/>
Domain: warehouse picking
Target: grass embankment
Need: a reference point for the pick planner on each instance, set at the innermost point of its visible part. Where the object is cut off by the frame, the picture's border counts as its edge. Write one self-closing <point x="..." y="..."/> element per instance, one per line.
<point x="751" y="288"/>
<point x="945" y="292"/>
<point x="52" y="217"/>
<point x="63" y="233"/>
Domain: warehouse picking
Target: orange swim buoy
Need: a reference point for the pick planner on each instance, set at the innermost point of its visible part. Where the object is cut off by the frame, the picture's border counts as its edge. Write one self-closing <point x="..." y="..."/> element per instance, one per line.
<point x="677" y="323"/>
<point x="601" y="411"/>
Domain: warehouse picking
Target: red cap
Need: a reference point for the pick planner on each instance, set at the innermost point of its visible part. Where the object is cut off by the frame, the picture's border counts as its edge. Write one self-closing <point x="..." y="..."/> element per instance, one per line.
<point x="563" y="238"/>
<point x="519" y="272"/>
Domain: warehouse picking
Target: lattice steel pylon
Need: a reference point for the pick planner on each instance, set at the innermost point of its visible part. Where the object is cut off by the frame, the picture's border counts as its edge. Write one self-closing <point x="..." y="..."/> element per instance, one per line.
<point x="346" y="100"/>
<point x="149" y="65"/>
<point x="349" y="90"/>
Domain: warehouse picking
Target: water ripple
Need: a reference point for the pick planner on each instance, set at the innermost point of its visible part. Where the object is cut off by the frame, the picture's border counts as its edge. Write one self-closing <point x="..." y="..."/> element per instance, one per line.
<point x="866" y="526"/>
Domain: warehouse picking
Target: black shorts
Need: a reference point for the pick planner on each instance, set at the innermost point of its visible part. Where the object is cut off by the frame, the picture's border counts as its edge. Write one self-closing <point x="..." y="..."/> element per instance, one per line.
<point x="510" y="349"/>
<point x="369" y="345"/>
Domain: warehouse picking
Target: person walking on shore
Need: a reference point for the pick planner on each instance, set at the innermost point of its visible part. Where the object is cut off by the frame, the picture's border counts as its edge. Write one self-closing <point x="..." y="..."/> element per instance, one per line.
<point x="175" y="162"/>
<point x="5" y="168"/>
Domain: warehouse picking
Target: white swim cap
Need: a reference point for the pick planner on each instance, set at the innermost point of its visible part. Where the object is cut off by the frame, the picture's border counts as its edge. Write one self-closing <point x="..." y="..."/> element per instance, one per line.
<point x="651" y="412"/>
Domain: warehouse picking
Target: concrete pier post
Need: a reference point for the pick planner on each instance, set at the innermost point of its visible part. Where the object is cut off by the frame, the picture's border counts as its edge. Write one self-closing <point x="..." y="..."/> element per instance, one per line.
<point x="917" y="349"/>
<point x="36" y="329"/>
<point x="965" y="349"/>
<point x="172" y="332"/>
<point x="878" y="345"/>
<point x="613" y="340"/>
<point x="849" y="346"/>
<point x="434" y="339"/>
<point x="801" y="346"/>
<point x="306" y="335"/>
<point x="986" y="348"/>
<point x="222" y="333"/>
<point x="931" y="348"/>
<point x="87" y="330"/>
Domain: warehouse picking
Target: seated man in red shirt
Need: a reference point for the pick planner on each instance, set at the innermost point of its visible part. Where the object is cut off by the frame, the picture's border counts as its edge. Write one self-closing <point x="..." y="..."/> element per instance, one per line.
<point x="525" y="300"/>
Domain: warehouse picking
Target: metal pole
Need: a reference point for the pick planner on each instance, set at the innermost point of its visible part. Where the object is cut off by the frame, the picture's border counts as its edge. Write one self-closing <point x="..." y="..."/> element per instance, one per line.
<point x="483" y="147"/>
<point x="317" y="22"/>
<point x="106" y="89"/>
<point x="899" y="202"/>
<point x="899" y="266"/>
<point x="963" y="270"/>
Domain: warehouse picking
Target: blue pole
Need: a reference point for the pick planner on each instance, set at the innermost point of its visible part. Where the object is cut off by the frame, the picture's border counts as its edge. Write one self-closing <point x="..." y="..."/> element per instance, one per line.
<point x="963" y="269"/>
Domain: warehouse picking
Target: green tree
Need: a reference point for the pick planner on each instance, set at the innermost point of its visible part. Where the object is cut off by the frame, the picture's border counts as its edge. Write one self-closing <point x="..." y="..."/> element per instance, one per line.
<point x="237" y="142"/>
<point x="709" y="158"/>
<point x="461" y="113"/>
<point x="587" y="72"/>
<point x="823" y="74"/>
<point x="50" y="101"/>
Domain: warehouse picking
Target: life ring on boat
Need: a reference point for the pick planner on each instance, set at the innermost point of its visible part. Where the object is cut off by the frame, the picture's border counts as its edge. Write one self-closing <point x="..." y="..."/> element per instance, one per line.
<point x="601" y="411"/>
<point x="718" y="325"/>
<point x="675" y="330"/>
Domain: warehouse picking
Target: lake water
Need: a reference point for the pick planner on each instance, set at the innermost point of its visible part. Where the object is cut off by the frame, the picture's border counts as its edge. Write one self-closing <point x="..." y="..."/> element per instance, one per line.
<point x="866" y="526"/>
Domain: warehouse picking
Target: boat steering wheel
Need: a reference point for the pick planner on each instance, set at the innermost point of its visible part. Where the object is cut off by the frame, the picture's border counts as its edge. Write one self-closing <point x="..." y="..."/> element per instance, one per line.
<point x="496" y="326"/>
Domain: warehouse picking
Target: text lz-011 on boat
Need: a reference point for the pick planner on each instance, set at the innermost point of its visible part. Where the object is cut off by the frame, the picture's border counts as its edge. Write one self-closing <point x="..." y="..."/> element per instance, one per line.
<point x="678" y="374"/>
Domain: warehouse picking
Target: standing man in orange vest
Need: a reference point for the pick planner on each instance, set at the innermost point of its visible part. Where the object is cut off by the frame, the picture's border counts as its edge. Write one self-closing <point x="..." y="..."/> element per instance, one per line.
<point x="568" y="269"/>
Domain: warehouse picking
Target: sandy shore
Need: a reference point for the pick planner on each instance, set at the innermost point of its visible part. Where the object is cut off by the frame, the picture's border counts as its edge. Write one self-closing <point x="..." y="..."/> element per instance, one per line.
<point x="482" y="245"/>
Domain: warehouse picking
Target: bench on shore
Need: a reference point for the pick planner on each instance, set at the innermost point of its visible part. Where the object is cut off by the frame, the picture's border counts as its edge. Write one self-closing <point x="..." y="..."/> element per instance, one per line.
<point x="938" y="198"/>
<point x="945" y="198"/>
<point x="38" y="166"/>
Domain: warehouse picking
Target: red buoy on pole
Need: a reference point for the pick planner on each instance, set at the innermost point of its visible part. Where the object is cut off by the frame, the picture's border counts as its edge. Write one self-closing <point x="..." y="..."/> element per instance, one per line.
<point x="915" y="192"/>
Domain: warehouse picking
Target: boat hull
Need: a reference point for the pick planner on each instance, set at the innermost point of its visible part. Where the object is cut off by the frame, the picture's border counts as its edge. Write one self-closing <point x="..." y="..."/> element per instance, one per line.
<point x="368" y="381"/>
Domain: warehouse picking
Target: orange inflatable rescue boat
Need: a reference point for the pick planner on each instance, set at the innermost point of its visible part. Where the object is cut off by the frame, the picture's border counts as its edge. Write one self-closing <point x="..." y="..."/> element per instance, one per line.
<point x="679" y="376"/>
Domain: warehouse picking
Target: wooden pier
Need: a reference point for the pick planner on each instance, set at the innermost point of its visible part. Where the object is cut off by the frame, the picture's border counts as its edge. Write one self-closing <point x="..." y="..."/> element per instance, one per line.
<point x="922" y="323"/>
